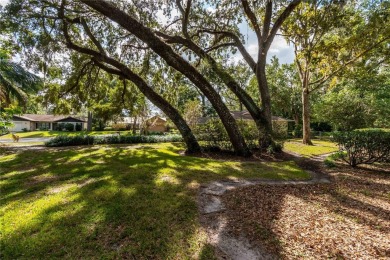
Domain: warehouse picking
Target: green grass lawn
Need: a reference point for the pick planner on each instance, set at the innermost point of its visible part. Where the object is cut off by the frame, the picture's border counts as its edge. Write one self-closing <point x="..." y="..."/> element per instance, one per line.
<point x="35" y="134"/>
<point x="136" y="202"/>
<point x="319" y="147"/>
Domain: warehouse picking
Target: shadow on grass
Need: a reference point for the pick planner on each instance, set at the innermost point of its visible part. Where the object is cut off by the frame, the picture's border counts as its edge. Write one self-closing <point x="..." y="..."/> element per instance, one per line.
<point x="110" y="202"/>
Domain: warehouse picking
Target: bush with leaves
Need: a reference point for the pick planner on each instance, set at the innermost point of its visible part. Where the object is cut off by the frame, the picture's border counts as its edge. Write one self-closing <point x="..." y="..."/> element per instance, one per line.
<point x="79" y="127"/>
<point x="119" y="127"/>
<point x="213" y="134"/>
<point x="69" y="127"/>
<point x="63" y="140"/>
<point x="364" y="146"/>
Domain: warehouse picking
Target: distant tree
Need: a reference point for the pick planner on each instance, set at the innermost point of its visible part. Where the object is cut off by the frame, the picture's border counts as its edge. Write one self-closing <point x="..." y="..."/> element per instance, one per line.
<point x="360" y="98"/>
<point x="192" y="112"/>
<point x="329" y="37"/>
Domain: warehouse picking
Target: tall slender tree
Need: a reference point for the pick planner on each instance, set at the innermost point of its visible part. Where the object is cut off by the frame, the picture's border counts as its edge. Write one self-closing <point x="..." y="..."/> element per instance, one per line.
<point x="329" y="37"/>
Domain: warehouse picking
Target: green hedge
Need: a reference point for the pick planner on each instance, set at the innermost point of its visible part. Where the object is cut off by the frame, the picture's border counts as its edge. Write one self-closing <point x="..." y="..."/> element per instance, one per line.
<point x="63" y="140"/>
<point x="364" y="146"/>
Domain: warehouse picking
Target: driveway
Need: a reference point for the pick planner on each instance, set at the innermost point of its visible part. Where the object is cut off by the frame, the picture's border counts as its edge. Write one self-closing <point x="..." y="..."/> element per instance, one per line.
<point x="27" y="140"/>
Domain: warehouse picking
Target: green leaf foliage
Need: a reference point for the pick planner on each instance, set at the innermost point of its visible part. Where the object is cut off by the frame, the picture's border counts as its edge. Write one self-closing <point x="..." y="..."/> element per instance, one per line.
<point x="364" y="146"/>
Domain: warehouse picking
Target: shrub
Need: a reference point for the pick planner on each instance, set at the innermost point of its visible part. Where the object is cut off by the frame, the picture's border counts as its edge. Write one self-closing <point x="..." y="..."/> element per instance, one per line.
<point x="297" y="132"/>
<point x="330" y="160"/>
<point x="363" y="146"/>
<point x="24" y="129"/>
<point x="250" y="133"/>
<point x="213" y="134"/>
<point x="155" y="133"/>
<point x="275" y="147"/>
<point x="69" y="127"/>
<point x="79" y="127"/>
<point x="108" y="128"/>
<point x="63" y="140"/>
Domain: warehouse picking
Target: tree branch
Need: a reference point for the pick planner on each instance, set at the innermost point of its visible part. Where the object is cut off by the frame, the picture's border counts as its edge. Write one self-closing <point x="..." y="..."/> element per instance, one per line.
<point x="252" y="18"/>
<point x="92" y="37"/>
<point x="323" y="79"/>
<point x="240" y="46"/>
<point x="279" y="21"/>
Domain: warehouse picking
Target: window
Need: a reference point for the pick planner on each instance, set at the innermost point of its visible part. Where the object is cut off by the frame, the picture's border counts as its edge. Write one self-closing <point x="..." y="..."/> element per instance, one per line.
<point x="43" y="126"/>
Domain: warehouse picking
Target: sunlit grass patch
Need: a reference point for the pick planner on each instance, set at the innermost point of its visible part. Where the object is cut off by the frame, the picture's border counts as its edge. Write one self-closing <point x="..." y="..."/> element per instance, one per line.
<point x="319" y="147"/>
<point x="115" y="201"/>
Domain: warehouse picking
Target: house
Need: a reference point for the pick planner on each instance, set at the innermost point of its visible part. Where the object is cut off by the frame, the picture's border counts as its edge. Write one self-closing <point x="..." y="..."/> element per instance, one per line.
<point x="156" y="124"/>
<point x="152" y="124"/>
<point x="279" y="124"/>
<point x="31" y="122"/>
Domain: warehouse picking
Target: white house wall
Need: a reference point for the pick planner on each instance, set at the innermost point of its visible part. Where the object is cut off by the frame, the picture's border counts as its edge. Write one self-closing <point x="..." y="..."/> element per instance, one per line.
<point x="19" y="126"/>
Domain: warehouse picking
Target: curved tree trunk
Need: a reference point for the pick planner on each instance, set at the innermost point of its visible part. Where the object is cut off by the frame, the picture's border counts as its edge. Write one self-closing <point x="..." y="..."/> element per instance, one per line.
<point x="124" y="72"/>
<point x="245" y="99"/>
<point x="189" y="138"/>
<point x="177" y="62"/>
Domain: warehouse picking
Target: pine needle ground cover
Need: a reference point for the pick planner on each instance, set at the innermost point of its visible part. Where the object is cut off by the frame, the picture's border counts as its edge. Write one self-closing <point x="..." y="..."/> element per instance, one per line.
<point x="348" y="219"/>
<point x="136" y="202"/>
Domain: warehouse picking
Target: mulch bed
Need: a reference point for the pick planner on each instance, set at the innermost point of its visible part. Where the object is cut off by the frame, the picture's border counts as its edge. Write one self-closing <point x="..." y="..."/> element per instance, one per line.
<point x="348" y="219"/>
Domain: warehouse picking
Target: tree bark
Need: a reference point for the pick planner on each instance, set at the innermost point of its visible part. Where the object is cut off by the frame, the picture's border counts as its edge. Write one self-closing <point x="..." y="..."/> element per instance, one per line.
<point x="244" y="98"/>
<point x="177" y="62"/>
<point x="306" y="116"/>
<point x="189" y="138"/>
<point x="135" y="125"/>
<point x="265" y="102"/>
<point x="89" y="122"/>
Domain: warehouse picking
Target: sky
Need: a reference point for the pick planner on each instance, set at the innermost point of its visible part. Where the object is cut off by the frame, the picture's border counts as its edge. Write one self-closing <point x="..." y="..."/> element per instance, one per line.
<point x="279" y="46"/>
<point x="4" y="2"/>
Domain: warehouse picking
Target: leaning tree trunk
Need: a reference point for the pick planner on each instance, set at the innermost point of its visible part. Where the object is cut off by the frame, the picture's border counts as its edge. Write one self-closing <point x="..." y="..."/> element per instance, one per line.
<point x="306" y="116"/>
<point x="244" y="98"/>
<point x="123" y="71"/>
<point x="174" y="60"/>
<point x="168" y="109"/>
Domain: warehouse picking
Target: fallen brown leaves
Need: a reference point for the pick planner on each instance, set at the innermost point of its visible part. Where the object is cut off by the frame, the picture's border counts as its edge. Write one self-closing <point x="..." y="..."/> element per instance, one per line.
<point x="349" y="218"/>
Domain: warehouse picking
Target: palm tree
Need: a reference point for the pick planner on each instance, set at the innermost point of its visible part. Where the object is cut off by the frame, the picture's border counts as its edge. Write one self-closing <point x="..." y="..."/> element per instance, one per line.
<point x="16" y="83"/>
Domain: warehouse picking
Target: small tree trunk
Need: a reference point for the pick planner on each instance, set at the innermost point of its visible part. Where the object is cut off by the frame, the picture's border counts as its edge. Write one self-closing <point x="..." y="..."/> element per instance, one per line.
<point x="89" y="122"/>
<point x="135" y="125"/>
<point x="306" y="117"/>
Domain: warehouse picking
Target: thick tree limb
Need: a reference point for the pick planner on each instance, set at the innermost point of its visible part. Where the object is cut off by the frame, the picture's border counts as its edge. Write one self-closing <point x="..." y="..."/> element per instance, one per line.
<point x="240" y="46"/>
<point x="123" y="71"/>
<point x="91" y="36"/>
<point x="177" y="62"/>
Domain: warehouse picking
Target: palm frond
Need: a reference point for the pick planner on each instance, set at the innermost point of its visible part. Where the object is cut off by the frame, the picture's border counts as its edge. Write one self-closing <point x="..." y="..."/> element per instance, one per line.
<point x="16" y="82"/>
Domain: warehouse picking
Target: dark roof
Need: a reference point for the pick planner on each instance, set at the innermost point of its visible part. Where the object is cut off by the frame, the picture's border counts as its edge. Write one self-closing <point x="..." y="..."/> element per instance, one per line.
<point x="48" y="118"/>
<point x="241" y="115"/>
<point x="245" y="115"/>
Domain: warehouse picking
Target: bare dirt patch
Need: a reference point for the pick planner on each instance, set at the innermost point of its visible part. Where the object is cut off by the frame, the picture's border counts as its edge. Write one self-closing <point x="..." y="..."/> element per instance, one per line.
<point x="347" y="219"/>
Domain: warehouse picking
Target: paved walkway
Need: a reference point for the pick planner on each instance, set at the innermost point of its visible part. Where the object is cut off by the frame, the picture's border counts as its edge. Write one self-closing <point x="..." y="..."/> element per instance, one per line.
<point x="211" y="209"/>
